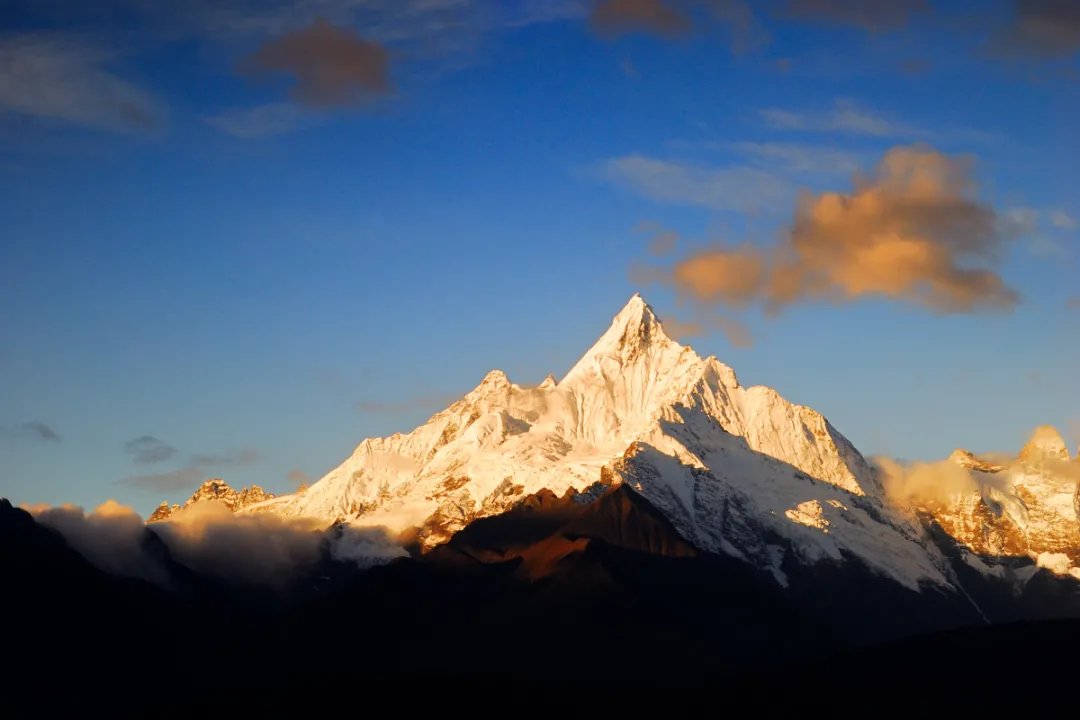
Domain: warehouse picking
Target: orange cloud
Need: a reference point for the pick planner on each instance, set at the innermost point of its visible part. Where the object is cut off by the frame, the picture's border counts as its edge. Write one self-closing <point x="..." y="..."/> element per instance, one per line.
<point x="737" y="333"/>
<point x="724" y="276"/>
<point x="333" y="66"/>
<point x="873" y="16"/>
<point x="913" y="230"/>
<point x="616" y="17"/>
<point x="1042" y="28"/>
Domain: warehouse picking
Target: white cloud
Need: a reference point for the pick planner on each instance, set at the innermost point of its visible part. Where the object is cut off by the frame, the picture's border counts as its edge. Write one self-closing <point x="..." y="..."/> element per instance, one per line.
<point x="64" y="79"/>
<point x="1062" y="220"/>
<point x="1043" y="230"/>
<point x="735" y="187"/>
<point x="259" y="121"/>
<point x="845" y="116"/>
<point x="800" y="157"/>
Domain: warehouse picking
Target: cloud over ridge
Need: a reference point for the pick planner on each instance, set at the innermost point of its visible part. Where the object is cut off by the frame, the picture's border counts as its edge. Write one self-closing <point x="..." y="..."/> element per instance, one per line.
<point x="913" y="230"/>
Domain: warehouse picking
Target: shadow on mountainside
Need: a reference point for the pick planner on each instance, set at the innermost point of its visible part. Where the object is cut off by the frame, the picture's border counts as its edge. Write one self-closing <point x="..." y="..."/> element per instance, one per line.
<point x="1009" y="588"/>
<point x="548" y="593"/>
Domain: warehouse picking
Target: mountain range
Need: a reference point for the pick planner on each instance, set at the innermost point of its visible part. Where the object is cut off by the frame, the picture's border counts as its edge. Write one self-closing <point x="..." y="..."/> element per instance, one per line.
<point x="647" y="507"/>
<point x="737" y="471"/>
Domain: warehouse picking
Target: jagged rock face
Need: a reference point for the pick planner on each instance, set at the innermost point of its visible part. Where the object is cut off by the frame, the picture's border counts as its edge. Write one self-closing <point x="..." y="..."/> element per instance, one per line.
<point x="162" y="512"/>
<point x="1028" y="507"/>
<point x="724" y="463"/>
<point x="216" y="489"/>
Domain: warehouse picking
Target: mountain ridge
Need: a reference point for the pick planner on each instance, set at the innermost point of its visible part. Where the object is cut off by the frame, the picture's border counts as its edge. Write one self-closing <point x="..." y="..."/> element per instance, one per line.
<point x="739" y="471"/>
<point x="214" y="489"/>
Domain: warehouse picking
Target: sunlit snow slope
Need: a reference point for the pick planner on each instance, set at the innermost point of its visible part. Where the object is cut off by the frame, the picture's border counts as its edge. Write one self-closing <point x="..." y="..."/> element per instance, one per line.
<point x="738" y="470"/>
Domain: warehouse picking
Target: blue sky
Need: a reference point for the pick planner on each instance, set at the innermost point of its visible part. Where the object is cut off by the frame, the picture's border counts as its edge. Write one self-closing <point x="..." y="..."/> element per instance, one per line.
<point x="225" y="252"/>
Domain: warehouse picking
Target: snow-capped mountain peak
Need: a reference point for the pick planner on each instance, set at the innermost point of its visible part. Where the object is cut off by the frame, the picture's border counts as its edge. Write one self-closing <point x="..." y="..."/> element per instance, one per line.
<point x="740" y="471"/>
<point x="218" y="490"/>
<point x="634" y="331"/>
<point x="1026" y="506"/>
<point x="1045" y="443"/>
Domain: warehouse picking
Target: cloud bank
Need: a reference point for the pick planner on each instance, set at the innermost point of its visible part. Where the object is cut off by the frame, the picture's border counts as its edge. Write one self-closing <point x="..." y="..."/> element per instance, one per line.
<point x="110" y="537"/>
<point x="206" y="537"/>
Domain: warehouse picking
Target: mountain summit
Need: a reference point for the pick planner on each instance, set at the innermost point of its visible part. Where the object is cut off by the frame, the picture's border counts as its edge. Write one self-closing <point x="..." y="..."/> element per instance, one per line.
<point x="219" y="490"/>
<point x="738" y="471"/>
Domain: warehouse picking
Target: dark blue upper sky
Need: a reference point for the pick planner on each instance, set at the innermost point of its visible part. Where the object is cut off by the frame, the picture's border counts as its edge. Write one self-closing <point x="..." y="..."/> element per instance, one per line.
<point x="237" y="237"/>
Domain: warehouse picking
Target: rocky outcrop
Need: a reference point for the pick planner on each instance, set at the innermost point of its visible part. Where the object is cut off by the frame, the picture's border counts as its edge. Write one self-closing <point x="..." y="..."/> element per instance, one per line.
<point x="218" y="490"/>
<point x="1022" y="507"/>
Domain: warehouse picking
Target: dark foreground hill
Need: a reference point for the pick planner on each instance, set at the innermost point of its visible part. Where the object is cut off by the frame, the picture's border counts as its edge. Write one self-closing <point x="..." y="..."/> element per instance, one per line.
<point x="550" y="594"/>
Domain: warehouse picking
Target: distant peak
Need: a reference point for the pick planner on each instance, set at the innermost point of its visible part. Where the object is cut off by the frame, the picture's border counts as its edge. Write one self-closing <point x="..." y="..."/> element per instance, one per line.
<point x="549" y="382"/>
<point x="1045" y="442"/>
<point x="215" y="489"/>
<point x="635" y="332"/>
<point x="494" y="381"/>
<point x="495" y="377"/>
<point x="636" y="307"/>
<point x="637" y="318"/>
<point x="969" y="461"/>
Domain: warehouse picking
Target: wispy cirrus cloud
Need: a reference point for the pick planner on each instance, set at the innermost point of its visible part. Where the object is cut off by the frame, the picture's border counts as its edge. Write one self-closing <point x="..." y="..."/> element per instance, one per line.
<point x="758" y="177"/>
<point x="845" y="116"/>
<point x="229" y="459"/>
<point x="260" y="121"/>
<point x="727" y="187"/>
<point x="1063" y="220"/>
<point x="799" y="157"/>
<point x="147" y="449"/>
<point x="1047" y="231"/>
<point x="199" y="465"/>
<point x="65" y="78"/>
<point x="31" y="430"/>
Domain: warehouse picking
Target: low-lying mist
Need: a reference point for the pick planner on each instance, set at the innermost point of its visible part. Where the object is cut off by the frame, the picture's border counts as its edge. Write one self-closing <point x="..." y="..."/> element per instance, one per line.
<point x="208" y="538"/>
<point x="943" y="480"/>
